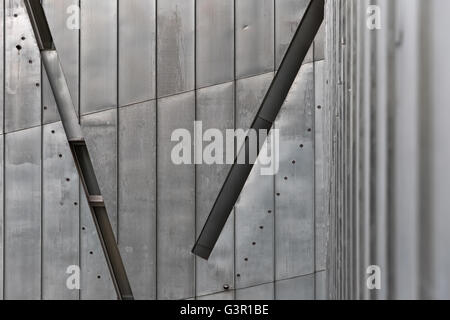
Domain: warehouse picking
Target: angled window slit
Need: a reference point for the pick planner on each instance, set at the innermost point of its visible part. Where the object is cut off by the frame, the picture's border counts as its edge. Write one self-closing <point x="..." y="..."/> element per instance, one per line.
<point x="78" y="147"/>
<point x="270" y="107"/>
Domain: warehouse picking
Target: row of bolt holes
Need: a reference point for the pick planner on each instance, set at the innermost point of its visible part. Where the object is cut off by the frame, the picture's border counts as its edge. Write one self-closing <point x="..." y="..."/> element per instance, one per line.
<point x="226" y="287"/>
<point x="19" y="47"/>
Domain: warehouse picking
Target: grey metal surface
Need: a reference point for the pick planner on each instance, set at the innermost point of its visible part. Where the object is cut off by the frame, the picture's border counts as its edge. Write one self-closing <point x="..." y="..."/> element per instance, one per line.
<point x="288" y="15"/>
<point x="137" y="196"/>
<point x="218" y="296"/>
<point x="100" y="130"/>
<point x="176" y="202"/>
<point x="60" y="213"/>
<point x="22" y="70"/>
<point x="2" y="67"/>
<point x="214" y="42"/>
<point x="261" y="292"/>
<point x="137" y="52"/>
<point x="294" y="201"/>
<point x="22" y="256"/>
<point x="215" y="109"/>
<point x="98" y="55"/>
<point x="2" y="214"/>
<point x="176" y="46"/>
<point x="255" y="207"/>
<point x="300" y="288"/>
<point x="254" y="37"/>
<point x="67" y="42"/>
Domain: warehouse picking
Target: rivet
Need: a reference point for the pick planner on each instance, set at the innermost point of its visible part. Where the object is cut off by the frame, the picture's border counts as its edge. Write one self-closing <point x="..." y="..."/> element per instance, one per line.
<point x="226" y="286"/>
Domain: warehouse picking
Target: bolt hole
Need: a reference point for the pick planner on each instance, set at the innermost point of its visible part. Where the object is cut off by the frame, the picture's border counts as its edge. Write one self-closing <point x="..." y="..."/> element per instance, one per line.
<point x="60" y="155"/>
<point x="301" y="146"/>
<point x="285" y="178"/>
<point x="91" y="252"/>
<point x="19" y="47"/>
<point x="30" y="61"/>
<point x="238" y="275"/>
<point x="67" y="179"/>
<point x="76" y="204"/>
<point x="83" y="228"/>
<point x="309" y="129"/>
<point x="245" y="259"/>
<point x="278" y="194"/>
<point x="99" y="277"/>
<point x="261" y="227"/>
<point x="269" y="211"/>
<point x="293" y="162"/>
<point x="53" y="131"/>
<point x="15" y="15"/>
<point x="226" y="287"/>
<point x="23" y="38"/>
<point x="253" y="243"/>
<point x="319" y="107"/>
<point x="38" y="85"/>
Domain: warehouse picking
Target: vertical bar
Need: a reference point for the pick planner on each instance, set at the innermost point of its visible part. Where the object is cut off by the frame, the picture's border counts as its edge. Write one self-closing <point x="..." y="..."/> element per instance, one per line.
<point x="22" y="70"/>
<point x="175" y="46"/>
<point x="215" y="110"/>
<point x="176" y="204"/>
<point x="60" y="15"/>
<point x="214" y="42"/>
<point x="100" y="130"/>
<point x="98" y="87"/>
<point x="137" y="60"/>
<point x="288" y="14"/>
<point x="254" y="37"/>
<point x="137" y="196"/>
<point x="255" y="207"/>
<point x="294" y="201"/>
<point x="23" y="215"/>
<point x="60" y="219"/>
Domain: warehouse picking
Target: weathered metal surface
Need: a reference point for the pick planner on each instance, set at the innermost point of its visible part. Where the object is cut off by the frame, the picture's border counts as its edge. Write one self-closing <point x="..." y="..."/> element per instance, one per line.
<point x="254" y="37"/>
<point x="2" y="70"/>
<point x="98" y="55"/>
<point x="255" y="207"/>
<point x="137" y="196"/>
<point x="176" y="46"/>
<point x="100" y="130"/>
<point x="215" y="109"/>
<point x="59" y="13"/>
<point x="60" y="214"/>
<point x="22" y="70"/>
<point x="2" y="215"/>
<point x="214" y="42"/>
<point x="22" y="256"/>
<point x="176" y="202"/>
<point x="261" y="292"/>
<point x="294" y="198"/>
<point x="288" y="14"/>
<point x="301" y="288"/>
<point x="137" y="51"/>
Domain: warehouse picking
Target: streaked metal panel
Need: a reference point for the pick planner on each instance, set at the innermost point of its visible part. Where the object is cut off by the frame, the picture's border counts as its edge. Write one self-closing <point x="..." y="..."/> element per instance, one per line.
<point x="215" y="108"/>
<point x="100" y="130"/>
<point x="288" y="14"/>
<point x="294" y="201"/>
<point x="261" y="292"/>
<point x="23" y="215"/>
<point x="176" y="46"/>
<point x="137" y="61"/>
<point x="321" y="179"/>
<point x="67" y="43"/>
<point x="255" y="207"/>
<point x="22" y="70"/>
<point x="98" y="75"/>
<point x="319" y="44"/>
<point x="2" y="75"/>
<point x="137" y="196"/>
<point x="219" y="296"/>
<point x="301" y="288"/>
<point x="214" y="42"/>
<point x="2" y="213"/>
<point x="254" y="37"/>
<point x="176" y="202"/>
<point x="60" y="216"/>
<point x="321" y="285"/>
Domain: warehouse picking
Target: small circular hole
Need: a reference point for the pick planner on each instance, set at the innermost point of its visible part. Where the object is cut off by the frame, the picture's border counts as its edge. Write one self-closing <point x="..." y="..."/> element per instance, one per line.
<point x="91" y="252"/>
<point x="30" y="61"/>
<point x="38" y="85"/>
<point x="319" y="107"/>
<point x="226" y="286"/>
<point x="67" y="179"/>
<point x="301" y="146"/>
<point x="83" y="228"/>
<point x="53" y="131"/>
<point x="309" y="129"/>
<point x="293" y="161"/>
<point x="60" y="155"/>
<point x="285" y="178"/>
<point x="19" y="47"/>
<point x="245" y="259"/>
<point x="99" y="277"/>
<point x="261" y="227"/>
<point x="15" y="15"/>
<point x="238" y="275"/>
<point x="23" y="38"/>
<point x="253" y="243"/>
<point x="269" y="211"/>
<point x="278" y="194"/>
<point x="75" y="204"/>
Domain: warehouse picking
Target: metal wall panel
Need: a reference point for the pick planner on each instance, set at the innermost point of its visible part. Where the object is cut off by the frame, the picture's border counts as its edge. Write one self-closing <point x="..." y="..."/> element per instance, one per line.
<point x="214" y="42"/>
<point x="137" y="55"/>
<point x="319" y="44"/>
<point x="176" y="46"/>
<point x="294" y="201"/>
<point x="67" y="43"/>
<point x="23" y="215"/>
<point x="215" y="109"/>
<point x="22" y="70"/>
<point x="321" y="178"/>
<point x="218" y="296"/>
<point x="2" y="66"/>
<point x="137" y="196"/>
<point x="301" y="288"/>
<point x="320" y="283"/>
<point x="60" y="214"/>
<point x="254" y="37"/>
<point x="176" y="202"/>
<point x="100" y="130"/>
<point x="255" y="207"/>
<point x="288" y="13"/>
<point x="261" y="292"/>
<point x="2" y="215"/>
<point x="98" y="73"/>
